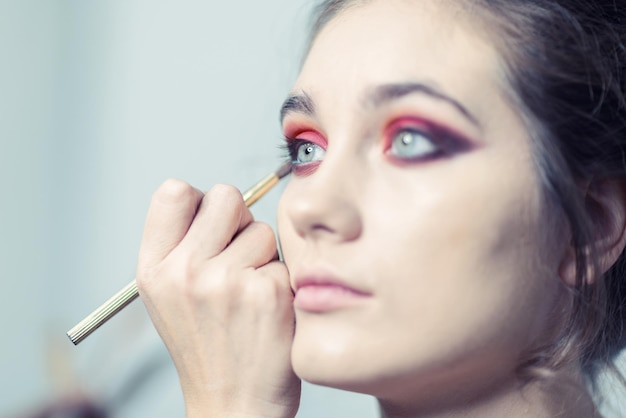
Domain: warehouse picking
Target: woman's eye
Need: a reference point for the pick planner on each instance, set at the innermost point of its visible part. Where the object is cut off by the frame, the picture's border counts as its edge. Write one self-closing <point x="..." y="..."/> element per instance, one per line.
<point x="306" y="152"/>
<point x="410" y="144"/>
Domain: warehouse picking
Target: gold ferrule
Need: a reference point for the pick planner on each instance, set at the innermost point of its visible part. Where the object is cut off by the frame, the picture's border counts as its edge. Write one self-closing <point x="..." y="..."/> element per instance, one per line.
<point x="258" y="190"/>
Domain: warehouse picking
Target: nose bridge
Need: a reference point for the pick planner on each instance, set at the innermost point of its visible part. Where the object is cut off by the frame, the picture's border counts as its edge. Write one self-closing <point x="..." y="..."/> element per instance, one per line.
<point x="326" y="204"/>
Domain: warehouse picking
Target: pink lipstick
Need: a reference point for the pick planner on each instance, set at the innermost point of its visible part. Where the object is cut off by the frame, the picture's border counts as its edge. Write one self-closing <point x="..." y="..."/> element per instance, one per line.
<point x="314" y="294"/>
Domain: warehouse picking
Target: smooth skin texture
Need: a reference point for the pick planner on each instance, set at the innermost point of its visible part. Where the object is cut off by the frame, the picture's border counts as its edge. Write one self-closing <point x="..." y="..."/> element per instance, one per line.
<point x="454" y="251"/>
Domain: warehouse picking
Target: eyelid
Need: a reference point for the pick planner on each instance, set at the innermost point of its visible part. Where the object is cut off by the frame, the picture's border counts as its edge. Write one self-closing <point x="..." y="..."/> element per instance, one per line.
<point x="409" y="123"/>
<point x="306" y="134"/>
<point x="449" y="140"/>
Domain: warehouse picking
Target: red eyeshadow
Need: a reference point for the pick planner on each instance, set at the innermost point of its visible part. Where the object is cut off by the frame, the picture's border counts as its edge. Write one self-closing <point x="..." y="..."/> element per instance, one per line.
<point x="408" y="122"/>
<point x="298" y="131"/>
<point x="305" y="169"/>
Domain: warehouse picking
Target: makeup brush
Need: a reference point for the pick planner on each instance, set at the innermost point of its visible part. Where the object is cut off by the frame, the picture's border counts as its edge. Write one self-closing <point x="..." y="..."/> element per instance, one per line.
<point x="129" y="293"/>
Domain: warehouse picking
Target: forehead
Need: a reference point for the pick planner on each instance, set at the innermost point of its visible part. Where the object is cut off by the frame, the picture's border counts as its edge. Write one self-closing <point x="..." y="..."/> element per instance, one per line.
<point x="385" y="41"/>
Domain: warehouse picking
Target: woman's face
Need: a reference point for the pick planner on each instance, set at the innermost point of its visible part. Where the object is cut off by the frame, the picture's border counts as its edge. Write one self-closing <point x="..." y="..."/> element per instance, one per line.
<point x="413" y="225"/>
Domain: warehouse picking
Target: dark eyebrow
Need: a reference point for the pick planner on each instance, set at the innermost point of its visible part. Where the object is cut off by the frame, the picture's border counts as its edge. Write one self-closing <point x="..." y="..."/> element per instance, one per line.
<point x="300" y="103"/>
<point x="388" y="92"/>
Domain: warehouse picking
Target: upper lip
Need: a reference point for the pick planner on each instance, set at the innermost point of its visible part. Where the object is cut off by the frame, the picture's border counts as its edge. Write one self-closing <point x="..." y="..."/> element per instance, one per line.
<point x="323" y="277"/>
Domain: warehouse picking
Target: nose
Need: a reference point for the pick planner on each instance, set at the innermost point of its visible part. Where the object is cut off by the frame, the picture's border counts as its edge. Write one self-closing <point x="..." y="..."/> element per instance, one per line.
<point x="325" y="204"/>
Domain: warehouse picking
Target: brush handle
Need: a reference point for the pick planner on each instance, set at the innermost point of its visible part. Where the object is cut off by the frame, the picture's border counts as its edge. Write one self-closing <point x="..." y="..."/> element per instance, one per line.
<point x="121" y="299"/>
<point x="103" y="313"/>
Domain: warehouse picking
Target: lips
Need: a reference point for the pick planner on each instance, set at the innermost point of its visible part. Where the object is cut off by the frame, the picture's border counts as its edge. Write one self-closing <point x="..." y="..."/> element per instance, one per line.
<point x="325" y="293"/>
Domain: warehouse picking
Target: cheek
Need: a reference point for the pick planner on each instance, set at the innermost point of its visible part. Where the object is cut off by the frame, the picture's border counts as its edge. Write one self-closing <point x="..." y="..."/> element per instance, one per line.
<point x="466" y="249"/>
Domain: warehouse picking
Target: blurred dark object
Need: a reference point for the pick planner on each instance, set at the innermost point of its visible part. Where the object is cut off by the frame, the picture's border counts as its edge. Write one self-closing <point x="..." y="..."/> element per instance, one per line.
<point x="70" y="408"/>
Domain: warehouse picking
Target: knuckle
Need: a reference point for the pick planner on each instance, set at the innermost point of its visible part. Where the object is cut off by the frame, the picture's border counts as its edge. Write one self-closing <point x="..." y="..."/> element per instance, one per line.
<point x="225" y="193"/>
<point x="217" y="282"/>
<point x="279" y="274"/>
<point x="225" y="199"/>
<point x="269" y="290"/>
<point x="264" y="229"/>
<point x="263" y="233"/>
<point x="260" y="293"/>
<point x="172" y="275"/>
<point x="174" y="190"/>
<point x="181" y="268"/>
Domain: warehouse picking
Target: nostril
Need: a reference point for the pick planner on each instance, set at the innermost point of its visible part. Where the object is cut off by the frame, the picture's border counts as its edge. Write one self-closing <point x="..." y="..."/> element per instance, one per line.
<point x="321" y="227"/>
<point x="333" y="220"/>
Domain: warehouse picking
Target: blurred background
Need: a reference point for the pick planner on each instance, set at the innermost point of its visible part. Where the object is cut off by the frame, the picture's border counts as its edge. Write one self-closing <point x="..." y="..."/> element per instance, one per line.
<point x="100" y="102"/>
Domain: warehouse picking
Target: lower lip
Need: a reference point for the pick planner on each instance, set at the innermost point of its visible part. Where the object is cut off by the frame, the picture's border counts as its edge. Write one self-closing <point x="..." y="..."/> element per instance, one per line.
<point x="325" y="298"/>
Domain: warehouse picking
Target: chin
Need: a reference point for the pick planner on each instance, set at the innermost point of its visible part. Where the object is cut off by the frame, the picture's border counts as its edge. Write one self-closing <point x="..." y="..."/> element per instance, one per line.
<point x="328" y="363"/>
<point x="341" y="366"/>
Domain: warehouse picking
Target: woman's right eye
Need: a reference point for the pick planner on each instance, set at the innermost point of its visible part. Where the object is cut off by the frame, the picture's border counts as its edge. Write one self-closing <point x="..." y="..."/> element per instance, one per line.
<point x="305" y="152"/>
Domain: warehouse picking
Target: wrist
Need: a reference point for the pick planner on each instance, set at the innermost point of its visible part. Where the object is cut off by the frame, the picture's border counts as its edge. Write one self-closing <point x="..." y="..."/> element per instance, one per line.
<point x="200" y="412"/>
<point x="226" y="408"/>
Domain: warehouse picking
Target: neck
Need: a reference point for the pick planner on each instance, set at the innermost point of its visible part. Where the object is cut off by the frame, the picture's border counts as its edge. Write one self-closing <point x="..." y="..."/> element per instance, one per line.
<point x="556" y="396"/>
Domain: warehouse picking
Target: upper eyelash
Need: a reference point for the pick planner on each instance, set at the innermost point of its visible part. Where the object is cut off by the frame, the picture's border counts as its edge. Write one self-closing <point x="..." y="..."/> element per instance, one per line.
<point x="287" y="149"/>
<point x="448" y="142"/>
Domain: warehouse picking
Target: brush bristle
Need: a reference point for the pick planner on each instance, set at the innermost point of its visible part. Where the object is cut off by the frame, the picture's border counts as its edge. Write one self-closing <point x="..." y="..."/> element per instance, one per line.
<point x="283" y="170"/>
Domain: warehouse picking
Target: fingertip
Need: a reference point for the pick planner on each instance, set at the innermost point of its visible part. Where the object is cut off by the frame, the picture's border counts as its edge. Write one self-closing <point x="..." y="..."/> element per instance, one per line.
<point x="175" y="191"/>
<point x="231" y="197"/>
<point x="225" y="193"/>
<point x="264" y="241"/>
<point x="171" y="211"/>
<point x="254" y="246"/>
<point x="264" y="230"/>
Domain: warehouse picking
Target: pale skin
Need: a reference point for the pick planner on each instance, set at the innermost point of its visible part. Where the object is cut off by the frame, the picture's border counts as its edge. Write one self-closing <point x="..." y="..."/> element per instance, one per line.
<point x="423" y="266"/>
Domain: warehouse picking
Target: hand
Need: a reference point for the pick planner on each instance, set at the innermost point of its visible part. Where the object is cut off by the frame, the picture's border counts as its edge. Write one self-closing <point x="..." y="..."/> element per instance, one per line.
<point x="220" y="299"/>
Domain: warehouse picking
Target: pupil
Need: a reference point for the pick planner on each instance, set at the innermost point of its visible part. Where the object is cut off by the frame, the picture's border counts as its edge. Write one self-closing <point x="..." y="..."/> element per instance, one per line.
<point x="309" y="150"/>
<point x="406" y="138"/>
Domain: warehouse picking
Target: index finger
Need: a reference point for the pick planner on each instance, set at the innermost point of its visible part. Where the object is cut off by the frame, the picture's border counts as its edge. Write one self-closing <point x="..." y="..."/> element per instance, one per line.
<point x="220" y="216"/>
<point x="172" y="209"/>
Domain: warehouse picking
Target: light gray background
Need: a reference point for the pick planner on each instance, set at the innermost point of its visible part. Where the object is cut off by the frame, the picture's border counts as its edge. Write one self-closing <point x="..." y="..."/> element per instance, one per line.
<point x="100" y="101"/>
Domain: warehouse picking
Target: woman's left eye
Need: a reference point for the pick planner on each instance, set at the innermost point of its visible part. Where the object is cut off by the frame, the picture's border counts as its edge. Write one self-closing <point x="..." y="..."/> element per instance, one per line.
<point x="411" y="144"/>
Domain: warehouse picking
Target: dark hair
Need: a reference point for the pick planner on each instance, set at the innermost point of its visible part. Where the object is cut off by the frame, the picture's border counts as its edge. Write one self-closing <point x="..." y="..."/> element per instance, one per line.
<point x="566" y="64"/>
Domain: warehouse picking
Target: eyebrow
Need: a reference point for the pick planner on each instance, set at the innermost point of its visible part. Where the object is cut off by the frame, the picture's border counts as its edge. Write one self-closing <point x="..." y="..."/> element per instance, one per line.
<point x="388" y="92"/>
<point x="297" y="103"/>
<point x="379" y="95"/>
